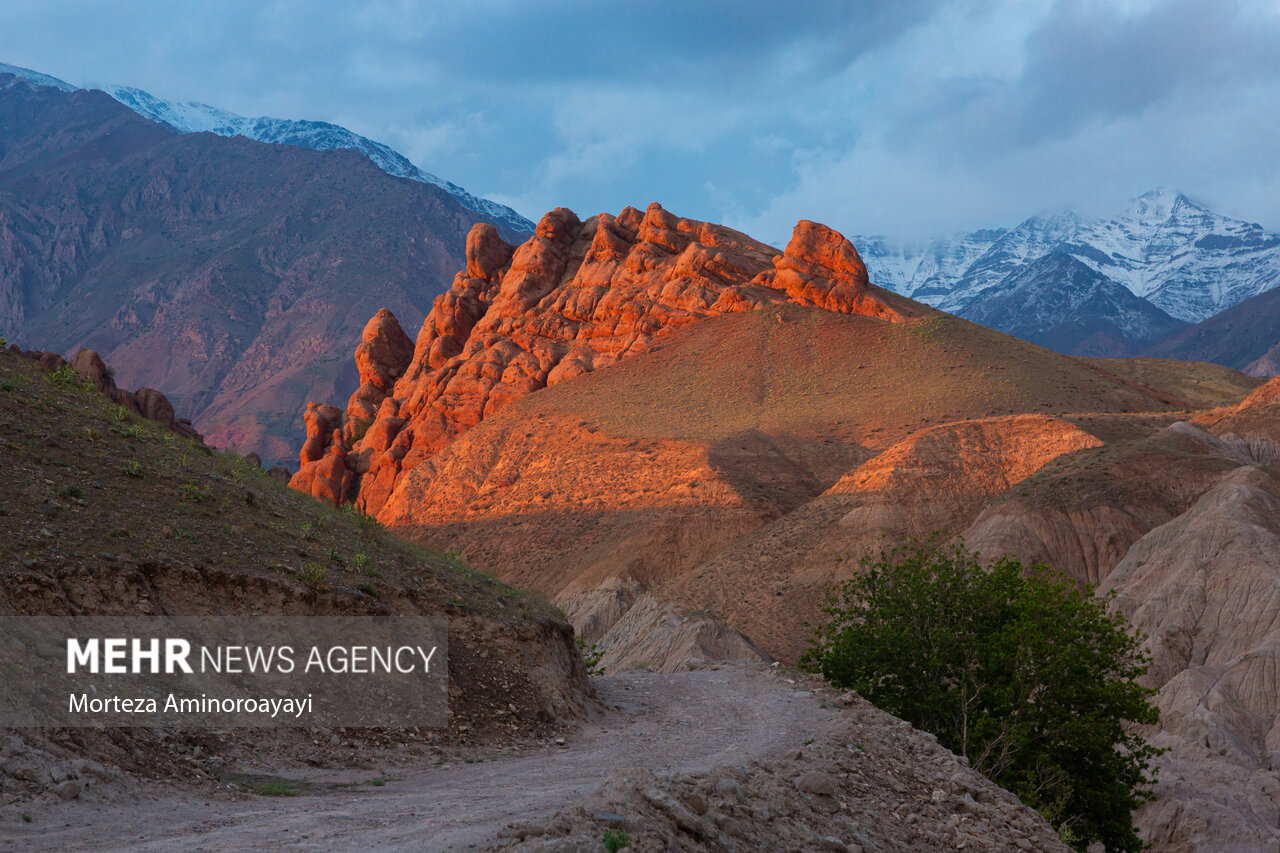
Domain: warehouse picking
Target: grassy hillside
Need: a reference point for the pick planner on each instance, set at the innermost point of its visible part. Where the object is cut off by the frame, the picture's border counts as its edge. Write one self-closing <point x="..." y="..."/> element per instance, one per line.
<point x="107" y="512"/>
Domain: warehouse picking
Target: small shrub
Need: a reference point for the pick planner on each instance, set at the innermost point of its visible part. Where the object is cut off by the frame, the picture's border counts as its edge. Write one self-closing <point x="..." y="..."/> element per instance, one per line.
<point x="305" y="528"/>
<point x="134" y="431"/>
<point x="591" y="656"/>
<point x="120" y="414"/>
<point x="68" y="377"/>
<point x="615" y="840"/>
<point x="334" y="556"/>
<point x="91" y="434"/>
<point x="194" y="492"/>
<point x="313" y="574"/>
<point x="132" y="468"/>
<point x="368" y="589"/>
<point x="70" y="491"/>
<point x="365" y="567"/>
<point x="9" y="385"/>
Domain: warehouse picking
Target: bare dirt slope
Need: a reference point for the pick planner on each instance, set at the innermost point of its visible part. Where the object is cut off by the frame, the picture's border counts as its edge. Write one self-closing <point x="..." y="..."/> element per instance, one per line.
<point x="833" y="769"/>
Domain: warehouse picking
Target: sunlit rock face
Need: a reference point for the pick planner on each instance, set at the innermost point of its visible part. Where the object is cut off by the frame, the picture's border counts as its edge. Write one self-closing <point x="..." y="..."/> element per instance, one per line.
<point x="577" y="296"/>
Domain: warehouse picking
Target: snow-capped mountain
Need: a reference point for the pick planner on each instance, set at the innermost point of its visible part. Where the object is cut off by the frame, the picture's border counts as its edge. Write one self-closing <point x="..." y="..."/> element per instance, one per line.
<point x="927" y="270"/>
<point x="1165" y="248"/>
<point x="36" y="77"/>
<point x="192" y="117"/>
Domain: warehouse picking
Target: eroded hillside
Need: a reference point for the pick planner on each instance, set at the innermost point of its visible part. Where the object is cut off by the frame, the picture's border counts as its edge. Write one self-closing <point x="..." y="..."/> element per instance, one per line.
<point x="695" y="498"/>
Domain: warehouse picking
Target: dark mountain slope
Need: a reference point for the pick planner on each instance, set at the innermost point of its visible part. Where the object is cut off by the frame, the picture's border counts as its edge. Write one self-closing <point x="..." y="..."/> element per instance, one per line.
<point x="1059" y="303"/>
<point x="1246" y="337"/>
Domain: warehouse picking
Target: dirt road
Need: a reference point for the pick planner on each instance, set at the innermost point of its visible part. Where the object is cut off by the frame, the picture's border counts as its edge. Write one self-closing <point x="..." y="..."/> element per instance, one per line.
<point x="666" y="723"/>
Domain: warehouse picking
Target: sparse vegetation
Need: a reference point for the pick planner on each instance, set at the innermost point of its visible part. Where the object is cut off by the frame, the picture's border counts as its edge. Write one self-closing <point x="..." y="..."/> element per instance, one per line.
<point x="313" y="574"/>
<point x="133" y="468"/>
<point x="591" y="656"/>
<point x="71" y="490"/>
<point x="275" y="788"/>
<point x="1021" y="670"/>
<point x="615" y="840"/>
<point x="67" y="376"/>
<point x="194" y="492"/>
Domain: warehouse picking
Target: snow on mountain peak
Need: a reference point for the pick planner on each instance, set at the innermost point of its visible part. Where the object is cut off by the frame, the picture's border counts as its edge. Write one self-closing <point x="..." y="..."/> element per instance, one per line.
<point x="195" y="117"/>
<point x="1163" y="246"/>
<point x="36" y="77"/>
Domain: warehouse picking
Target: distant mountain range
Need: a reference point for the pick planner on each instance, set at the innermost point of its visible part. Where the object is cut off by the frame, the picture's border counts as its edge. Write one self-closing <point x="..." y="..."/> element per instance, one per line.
<point x="232" y="275"/>
<point x="1112" y="286"/>
<point x="194" y="117"/>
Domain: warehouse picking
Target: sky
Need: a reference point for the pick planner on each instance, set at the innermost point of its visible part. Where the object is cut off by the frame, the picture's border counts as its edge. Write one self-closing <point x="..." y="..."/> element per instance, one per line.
<point x="899" y="117"/>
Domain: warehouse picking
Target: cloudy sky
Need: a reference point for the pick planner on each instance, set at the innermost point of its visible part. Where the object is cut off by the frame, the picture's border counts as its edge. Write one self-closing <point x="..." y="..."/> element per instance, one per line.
<point x="902" y="117"/>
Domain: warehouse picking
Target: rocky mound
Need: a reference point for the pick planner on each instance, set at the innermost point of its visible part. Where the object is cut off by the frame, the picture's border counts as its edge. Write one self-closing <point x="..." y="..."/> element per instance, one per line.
<point x="576" y="297"/>
<point x="147" y="402"/>
<point x="871" y="783"/>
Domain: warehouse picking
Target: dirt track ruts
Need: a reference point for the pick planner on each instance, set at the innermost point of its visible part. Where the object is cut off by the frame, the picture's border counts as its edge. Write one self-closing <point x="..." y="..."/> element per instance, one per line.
<point x="666" y="723"/>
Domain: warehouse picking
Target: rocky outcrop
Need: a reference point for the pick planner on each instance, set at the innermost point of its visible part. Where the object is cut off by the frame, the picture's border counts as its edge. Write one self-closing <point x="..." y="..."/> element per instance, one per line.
<point x="381" y="359"/>
<point x="147" y="402"/>
<point x="576" y="297"/>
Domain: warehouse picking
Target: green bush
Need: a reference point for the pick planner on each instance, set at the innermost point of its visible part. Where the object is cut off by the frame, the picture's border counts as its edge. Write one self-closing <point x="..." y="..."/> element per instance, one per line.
<point x="615" y="840"/>
<point x="132" y="468"/>
<point x="67" y="376"/>
<point x="313" y="574"/>
<point x="591" y="656"/>
<point x="1021" y="671"/>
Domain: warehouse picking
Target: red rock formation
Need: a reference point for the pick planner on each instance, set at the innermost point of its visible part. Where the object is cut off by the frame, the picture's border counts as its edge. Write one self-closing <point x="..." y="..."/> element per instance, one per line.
<point x="381" y="358"/>
<point x="575" y="297"/>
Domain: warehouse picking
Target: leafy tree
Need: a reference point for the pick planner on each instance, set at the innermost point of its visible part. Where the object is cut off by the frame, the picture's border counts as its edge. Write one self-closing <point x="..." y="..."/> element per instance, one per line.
<point x="1021" y="671"/>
